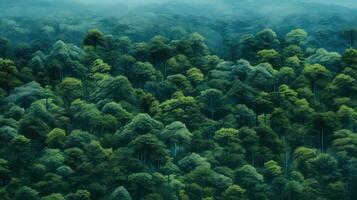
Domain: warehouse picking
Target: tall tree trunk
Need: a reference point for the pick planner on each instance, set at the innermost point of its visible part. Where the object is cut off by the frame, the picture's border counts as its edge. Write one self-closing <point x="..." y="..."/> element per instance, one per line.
<point x="253" y="158"/>
<point x="47" y="104"/>
<point x="165" y="71"/>
<point x="175" y="150"/>
<point x="211" y="106"/>
<point x="322" y="140"/>
<point x="286" y="161"/>
<point x="314" y="89"/>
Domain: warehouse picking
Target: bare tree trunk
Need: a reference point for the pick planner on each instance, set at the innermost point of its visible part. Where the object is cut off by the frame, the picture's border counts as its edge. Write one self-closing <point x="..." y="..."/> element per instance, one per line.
<point x="165" y="71"/>
<point x="253" y="158"/>
<point x="314" y="89"/>
<point x="46" y="103"/>
<point x="175" y="152"/>
<point x="286" y="161"/>
<point x="211" y="107"/>
<point x="322" y="140"/>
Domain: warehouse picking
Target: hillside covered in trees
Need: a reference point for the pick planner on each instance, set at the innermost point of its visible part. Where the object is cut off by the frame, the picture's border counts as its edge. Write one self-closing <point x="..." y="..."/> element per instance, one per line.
<point x="178" y="107"/>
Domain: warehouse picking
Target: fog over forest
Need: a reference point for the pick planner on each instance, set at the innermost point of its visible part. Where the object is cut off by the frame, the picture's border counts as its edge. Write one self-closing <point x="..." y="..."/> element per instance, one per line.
<point x="205" y="17"/>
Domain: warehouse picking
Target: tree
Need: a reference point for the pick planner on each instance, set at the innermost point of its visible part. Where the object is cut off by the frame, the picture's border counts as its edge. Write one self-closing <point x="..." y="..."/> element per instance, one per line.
<point x="65" y="60"/>
<point x="262" y="76"/>
<point x="53" y="196"/>
<point x="120" y="193"/>
<point x="293" y="50"/>
<point x="26" y="193"/>
<point x="37" y="122"/>
<point x="124" y="44"/>
<point x="349" y="57"/>
<point x="323" y="125"/>
<point x="159" y="50"/>
<point x="8" y="74"/>
<point x="74" y="156"/>
<point x="117" y="110"/>
<point x="286" y="75"/>
<point x="180" y="82"/>
<point x="212" y="101"/>
<point x="176" y="135"/>
<point x="279" y="121"/>
<point x="79" y="195"/>
<point x="315" y="73"/>
<point x="141" y="51"/>
<point x="249" y="141"/>
<point x="231" y="152"/>
<point x="234" y="192"/>
<point x="270" y="56"/>
<point x="345" y="141"/>
<point x="140" y="183"/>
<point x="176" y="64"/>
<point x="53" y="183"/>
<point x="294" y="62"/>
<point x="195" y="76"/>
<point x="180" y="108"/>
<point x="149" y="149"/>
<point x="323" y="168"/>
<point x="71" y="89"/>
<point x="120" y="84"/>
<point x="225" y="135"/>
<point x="270" y="144"/>
<point x="7" y="133"/>
<point x="331" y="60"/>
<point x="242" y="93"/>
<point x="336" y="190"/>
<point x="244" y="116"/>
<point x="99" y="66"/>
<point x="5" y="172"/>
<point x="52" y="158"/>
<point x="25" y="94"/>
<point x="253" y="182"/>
<point x="267" y="39"/>
<point x="294" y="190"/>
<point x="19" y="156"/>
<point x="96" y="154"/>
<point x="56" y="138"/>
<point x="141" y="124"/>
<point x="347" y="117"/>
<point x="207" y="178"/>
<point x="86" y="115"/>
<point x="94" y="37"/>
<point x="263" y="105"/>
<point x="296" y="36"/>
<point x="123" y="65"/>
<point x="192" y="161"/>
<point x="247" y="47"/>
<point x="193" y="45"/>
<point x="301" y="157"/>
<point x="141" y="72"/>
<point x="272" y="170"/>
<point x="342" y="85"/>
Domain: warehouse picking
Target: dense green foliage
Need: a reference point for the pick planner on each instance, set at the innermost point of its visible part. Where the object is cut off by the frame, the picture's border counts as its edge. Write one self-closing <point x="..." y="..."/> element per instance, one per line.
<point x="165" y="119"/>
<point x="273" y="116"/>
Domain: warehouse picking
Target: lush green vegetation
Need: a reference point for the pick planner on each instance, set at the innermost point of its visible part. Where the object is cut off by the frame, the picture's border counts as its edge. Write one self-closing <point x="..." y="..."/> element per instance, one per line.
<point x="273" y="116"/>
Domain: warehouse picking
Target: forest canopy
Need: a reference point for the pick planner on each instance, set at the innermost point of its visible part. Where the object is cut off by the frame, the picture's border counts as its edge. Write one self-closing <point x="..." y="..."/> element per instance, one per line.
<point x="168" y="100"/>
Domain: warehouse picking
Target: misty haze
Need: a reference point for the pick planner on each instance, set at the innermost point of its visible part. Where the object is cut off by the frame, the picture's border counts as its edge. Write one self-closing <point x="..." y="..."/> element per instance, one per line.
<point x="178" y="99"/>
